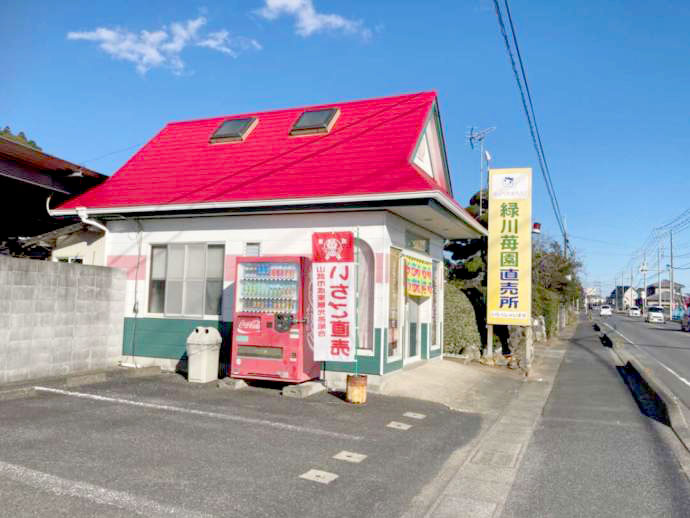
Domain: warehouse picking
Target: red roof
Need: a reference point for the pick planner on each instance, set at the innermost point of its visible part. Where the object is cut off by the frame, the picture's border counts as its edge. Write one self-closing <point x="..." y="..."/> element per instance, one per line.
<point x="367" y="151"/>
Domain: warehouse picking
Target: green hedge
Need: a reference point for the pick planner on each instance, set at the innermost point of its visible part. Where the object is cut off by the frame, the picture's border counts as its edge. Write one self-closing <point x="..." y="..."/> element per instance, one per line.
<point x="460" y="324"/>
<point x="545" y="302"/>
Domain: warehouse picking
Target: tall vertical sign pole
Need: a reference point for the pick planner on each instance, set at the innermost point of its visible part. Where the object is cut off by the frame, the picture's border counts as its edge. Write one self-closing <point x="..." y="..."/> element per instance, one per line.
<point x="509" y="272"/>
<point x="670" y="275"/>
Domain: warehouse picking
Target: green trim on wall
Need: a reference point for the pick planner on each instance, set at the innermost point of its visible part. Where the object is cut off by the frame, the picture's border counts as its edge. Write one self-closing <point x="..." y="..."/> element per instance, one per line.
<point x="390" y="365"/>
<point x="435" y="353"/>
<point x="165" y="337"/>
<point x="365" y="364"/>
<point x="425" y="341"/>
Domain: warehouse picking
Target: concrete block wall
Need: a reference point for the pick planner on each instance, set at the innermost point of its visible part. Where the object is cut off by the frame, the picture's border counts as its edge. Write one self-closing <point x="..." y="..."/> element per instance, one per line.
<point x="58" y="318"/>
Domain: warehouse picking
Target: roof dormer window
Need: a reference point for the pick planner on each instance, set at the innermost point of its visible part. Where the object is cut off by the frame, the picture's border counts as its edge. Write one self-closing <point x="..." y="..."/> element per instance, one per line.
<point x="234" y="130"/>
<point x="315" y="121"/>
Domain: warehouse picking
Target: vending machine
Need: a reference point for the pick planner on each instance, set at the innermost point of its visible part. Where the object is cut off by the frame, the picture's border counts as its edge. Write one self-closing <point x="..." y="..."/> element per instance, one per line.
<point x="271" y="331"/>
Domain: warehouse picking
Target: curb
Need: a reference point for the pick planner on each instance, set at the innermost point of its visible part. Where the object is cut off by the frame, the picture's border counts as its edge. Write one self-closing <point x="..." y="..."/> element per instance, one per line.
<point x="673" y="409"/>
<point x="26" y="389"/>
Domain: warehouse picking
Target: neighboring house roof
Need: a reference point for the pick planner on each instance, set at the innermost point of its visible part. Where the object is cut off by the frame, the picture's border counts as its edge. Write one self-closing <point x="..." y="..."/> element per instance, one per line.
<point x="20" y="153"/>
<point x="665" y="283"/>
<point x="367" y="154"/>
<point x="27" y="178"/>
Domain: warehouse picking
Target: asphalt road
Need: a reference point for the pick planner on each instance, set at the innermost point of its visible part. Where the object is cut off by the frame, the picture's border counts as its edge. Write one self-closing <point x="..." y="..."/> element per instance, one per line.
<point x="161" y="447"/>
<point x="594" y="452"/>
<point x="666" y="344"/>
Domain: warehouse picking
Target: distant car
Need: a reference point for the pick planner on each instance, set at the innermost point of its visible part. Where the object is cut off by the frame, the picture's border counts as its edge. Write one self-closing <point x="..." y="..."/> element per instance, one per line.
<point x="685" y="321"/>
<point x="655" y="314"/>
<point x="605" y="310"/>
<point x="634" y="312"/>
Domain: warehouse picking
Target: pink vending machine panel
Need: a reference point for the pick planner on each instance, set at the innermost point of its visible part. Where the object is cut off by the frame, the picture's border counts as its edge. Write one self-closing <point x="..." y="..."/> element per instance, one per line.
<point x="271" y="331"/>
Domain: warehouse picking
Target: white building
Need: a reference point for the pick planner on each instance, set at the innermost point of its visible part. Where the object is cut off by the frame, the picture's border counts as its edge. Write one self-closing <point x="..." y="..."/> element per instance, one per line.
<point x="203" y="193"/>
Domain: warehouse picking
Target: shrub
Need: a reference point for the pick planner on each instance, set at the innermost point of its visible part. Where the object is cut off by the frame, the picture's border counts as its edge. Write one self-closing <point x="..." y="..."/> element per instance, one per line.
<point x="460" y="324"/>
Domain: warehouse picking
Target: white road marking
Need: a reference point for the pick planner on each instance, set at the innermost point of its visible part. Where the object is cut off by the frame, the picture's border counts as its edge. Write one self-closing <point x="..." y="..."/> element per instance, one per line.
<point x="399" y="426"/>
<point x="349" y="456"/>
<point x="96" y="494"/>
<point x="227" y="417"/>
<point x="316" y="475"/>
<point x="669" y="369"/>
<point x="414" y="415"/>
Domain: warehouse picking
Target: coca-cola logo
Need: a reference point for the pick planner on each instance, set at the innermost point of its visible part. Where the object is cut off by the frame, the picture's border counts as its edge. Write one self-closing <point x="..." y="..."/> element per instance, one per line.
<point x="249" y="325"/>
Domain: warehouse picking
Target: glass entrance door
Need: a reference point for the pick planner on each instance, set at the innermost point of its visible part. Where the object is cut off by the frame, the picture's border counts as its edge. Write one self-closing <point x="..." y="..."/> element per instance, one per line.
<point x="411" y="329"/>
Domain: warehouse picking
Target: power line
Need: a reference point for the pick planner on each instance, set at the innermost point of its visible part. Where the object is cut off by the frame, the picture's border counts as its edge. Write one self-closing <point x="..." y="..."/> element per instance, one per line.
<point x="110" y="153"/>
<point x="529" y="114"/>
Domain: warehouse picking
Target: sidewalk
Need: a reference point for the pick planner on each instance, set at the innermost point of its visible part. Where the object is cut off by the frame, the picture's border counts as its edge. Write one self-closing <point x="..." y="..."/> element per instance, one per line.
<point x="597" y="451"/>
<point x="571" y="442"/>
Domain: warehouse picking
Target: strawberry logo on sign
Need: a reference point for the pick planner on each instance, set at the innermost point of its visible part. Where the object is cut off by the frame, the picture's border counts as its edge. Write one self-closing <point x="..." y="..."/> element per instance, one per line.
<point x="333" y="247"/>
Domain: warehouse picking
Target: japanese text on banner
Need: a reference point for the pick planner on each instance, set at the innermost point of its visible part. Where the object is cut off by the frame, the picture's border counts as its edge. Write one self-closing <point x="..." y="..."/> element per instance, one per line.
<point x="333" y="281"/>
<point x="509" y="280"/>
<point x="418" y="277"/>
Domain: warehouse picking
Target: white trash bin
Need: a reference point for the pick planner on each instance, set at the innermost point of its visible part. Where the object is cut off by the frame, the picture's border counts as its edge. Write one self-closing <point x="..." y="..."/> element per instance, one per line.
<point x="203" y="350"/>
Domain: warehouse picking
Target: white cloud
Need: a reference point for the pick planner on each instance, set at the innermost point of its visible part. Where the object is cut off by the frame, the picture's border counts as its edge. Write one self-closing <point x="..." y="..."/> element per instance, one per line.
<point x="223" y="42"/>
<point x="308" y="20"/>
<point x="163" y="47"/>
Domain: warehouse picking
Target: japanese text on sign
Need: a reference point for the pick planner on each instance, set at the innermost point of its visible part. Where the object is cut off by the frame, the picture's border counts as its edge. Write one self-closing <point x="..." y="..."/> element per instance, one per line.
<point x="510" y="247"/>
<point x="334" y="297"/>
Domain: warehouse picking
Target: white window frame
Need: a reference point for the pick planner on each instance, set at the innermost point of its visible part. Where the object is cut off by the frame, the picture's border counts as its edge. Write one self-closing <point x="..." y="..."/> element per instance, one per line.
<point x="372" y="331"/>
<point x="70" y="259"/>
<point x="165" y="314"/>
<point x="440" y="273"/>
<point x="400" y="302"/>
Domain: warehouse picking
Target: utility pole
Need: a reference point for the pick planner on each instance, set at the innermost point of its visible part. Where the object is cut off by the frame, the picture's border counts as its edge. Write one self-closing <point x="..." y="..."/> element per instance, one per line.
<point x="632" y="291"/>
<point x="565" y="239"/>
<point x="670" y="234"/>
<point x="658" y="273"/>
<point x="644" y="282"/>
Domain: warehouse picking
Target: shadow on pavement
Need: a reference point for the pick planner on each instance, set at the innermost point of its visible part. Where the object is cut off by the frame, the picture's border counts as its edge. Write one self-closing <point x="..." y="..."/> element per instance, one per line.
<point x="606" y="341"/>
<point x="649" y="403"/>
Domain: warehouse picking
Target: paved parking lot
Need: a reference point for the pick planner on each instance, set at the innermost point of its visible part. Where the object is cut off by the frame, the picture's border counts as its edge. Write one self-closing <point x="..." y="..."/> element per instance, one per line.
<point x="161" y="447"/>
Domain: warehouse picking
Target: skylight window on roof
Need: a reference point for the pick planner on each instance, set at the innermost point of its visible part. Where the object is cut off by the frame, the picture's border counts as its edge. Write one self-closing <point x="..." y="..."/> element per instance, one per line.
<point x="234" y="129"/>
<point x="315" y="121"/>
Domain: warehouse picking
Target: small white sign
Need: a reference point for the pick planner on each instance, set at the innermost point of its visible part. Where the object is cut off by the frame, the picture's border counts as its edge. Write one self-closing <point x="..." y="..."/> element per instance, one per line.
<point x="510" y="186"/>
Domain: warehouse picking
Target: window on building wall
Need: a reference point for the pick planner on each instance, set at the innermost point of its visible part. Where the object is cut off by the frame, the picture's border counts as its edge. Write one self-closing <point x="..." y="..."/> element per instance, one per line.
<point x="252" y="249"/>
<point x="394" y="304"/>
<point x="436" y="287"/>
<point x="186" y="279"/>
<point x="365" y="295"/>
<point x="416" y="242"/>
<point x="75" y="259"/>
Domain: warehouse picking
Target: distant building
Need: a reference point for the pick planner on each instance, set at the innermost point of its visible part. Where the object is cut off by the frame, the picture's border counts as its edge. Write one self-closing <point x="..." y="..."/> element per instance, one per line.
<point x="624" y="297"/>
<point x="661" y="296"/>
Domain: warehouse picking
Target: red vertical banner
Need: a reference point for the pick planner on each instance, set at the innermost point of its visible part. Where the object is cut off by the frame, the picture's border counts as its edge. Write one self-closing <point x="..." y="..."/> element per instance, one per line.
<point x="333" y="296"/>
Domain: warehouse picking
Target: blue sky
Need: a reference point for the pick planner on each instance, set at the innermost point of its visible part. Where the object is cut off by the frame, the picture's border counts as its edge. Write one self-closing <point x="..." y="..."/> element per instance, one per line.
<point x="609" y="81"/>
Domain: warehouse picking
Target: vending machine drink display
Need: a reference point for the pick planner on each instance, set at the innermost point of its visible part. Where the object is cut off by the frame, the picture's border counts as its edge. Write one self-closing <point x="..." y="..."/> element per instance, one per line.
<point x="271" y="336"/>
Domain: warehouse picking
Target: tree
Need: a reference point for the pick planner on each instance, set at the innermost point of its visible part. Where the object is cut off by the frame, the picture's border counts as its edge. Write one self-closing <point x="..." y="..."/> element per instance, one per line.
<point x="19" y="137"/>
<point x="554" y="277"/>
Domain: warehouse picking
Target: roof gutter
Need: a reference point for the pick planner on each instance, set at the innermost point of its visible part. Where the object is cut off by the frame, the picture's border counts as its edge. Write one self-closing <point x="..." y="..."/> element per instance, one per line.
<point x="438" y="196"/>
<point x="84" y="217"/>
